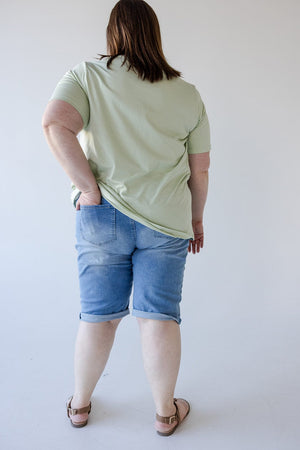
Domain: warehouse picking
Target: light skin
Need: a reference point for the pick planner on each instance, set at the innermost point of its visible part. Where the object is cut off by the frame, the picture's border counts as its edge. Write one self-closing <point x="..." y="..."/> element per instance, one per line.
<point x="160" y="339"/>
<point x="198" y="185"/>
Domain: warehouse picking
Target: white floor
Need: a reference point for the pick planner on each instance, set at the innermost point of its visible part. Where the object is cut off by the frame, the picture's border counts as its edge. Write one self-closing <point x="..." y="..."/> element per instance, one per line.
<point x="240" y="374"/>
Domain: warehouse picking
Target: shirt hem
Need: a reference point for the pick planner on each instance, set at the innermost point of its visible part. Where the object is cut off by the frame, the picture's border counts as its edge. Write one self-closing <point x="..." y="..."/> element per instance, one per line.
<point x="75" y="194"/>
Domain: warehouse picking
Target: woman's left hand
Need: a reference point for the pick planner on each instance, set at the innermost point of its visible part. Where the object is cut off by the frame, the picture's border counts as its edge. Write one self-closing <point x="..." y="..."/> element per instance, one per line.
<point x="89" y="198"/>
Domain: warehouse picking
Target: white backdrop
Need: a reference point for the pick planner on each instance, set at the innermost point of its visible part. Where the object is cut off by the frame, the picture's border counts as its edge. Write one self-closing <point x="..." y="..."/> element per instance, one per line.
<point x="240" y="306"/>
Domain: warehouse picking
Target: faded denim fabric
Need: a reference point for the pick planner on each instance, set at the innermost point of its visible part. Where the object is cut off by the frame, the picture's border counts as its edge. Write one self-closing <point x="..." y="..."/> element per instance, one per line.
<point x="116" y="253"/>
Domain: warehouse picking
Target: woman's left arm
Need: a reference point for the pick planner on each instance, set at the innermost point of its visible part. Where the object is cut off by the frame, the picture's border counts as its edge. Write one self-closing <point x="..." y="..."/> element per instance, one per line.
<point x="61" y="124"/>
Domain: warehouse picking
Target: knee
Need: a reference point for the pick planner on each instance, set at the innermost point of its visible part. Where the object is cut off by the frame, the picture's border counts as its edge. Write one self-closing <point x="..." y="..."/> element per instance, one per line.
<point x="142" y="320"/>
<point x="115" y="322"/>
<point x="159" y="324"/>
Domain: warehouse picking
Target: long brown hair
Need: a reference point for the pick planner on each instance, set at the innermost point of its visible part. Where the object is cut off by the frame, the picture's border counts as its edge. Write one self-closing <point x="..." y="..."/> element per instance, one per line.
<point x="133" y="31"/>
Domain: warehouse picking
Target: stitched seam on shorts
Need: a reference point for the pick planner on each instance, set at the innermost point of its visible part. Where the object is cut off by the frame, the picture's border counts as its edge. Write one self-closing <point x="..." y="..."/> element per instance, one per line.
<point x="133" y="227"/>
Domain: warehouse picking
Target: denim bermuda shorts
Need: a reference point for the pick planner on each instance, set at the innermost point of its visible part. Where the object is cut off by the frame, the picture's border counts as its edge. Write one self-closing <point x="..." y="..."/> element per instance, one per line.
<point x="116" y="253"/>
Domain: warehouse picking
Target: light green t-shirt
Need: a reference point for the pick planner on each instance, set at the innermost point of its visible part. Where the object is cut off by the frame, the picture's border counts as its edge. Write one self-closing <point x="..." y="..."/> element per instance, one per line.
<point x="136" y="137"/>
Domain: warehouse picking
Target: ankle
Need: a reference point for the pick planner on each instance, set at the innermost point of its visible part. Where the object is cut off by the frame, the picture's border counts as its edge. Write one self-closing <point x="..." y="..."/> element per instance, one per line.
<point x="166" y="411"/>
<point x="79" y="401"/>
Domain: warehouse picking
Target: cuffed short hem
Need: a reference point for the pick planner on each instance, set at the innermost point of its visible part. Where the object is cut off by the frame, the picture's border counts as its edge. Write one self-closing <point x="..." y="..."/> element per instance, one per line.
<point x="103" y="317"/>
<point x="154" y="315"/>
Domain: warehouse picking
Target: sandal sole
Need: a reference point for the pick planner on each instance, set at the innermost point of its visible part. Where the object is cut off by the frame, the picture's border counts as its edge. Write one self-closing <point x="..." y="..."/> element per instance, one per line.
<point x="79" y="425"/>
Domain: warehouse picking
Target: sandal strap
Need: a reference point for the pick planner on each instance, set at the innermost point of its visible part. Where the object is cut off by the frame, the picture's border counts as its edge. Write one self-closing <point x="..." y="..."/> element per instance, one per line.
<point x="74" y="411"/>
<point x="169" y="419"/>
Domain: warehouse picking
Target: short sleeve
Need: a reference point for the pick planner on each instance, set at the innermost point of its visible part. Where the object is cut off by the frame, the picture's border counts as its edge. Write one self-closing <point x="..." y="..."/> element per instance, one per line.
<point x="70" y="88"/>
<point x="199" y="137"/>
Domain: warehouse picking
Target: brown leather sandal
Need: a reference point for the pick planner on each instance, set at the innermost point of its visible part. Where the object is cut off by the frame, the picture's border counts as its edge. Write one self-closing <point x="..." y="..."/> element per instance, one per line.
<point x="171" y="419"/>
<point x="74" y="411"/>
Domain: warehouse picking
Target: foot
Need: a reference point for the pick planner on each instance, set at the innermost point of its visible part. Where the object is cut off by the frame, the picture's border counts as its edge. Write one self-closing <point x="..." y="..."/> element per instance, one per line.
<point x="78" y="419"/>
<point x="183" y="410"/>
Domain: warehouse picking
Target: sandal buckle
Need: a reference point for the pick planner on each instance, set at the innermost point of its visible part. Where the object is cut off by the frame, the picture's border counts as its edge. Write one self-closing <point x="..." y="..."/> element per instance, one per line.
<point x="171" y="419"/>
<point x="72" y="411"/>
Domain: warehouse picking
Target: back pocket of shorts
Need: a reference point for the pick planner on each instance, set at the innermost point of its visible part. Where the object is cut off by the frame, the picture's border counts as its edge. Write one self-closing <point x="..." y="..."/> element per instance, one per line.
<point x="98" y="223"/>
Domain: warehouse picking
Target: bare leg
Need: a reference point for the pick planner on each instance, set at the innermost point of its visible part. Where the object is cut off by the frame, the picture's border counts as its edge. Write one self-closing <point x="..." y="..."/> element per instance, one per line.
<point x="161" y="347"/>
<point x="93" y="345"/>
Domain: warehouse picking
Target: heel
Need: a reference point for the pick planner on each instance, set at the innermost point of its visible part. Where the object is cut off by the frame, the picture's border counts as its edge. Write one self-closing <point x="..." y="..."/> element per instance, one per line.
<point x="75" y="411"/>
<point x="170" y="419"/>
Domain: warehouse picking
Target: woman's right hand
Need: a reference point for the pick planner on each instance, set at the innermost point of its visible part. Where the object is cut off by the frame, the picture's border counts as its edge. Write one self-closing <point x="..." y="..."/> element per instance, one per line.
<point x="198" y="241"/>
<point x="90" y="198"/>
